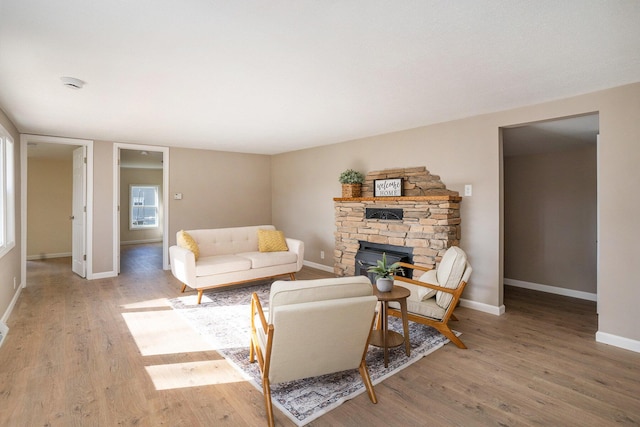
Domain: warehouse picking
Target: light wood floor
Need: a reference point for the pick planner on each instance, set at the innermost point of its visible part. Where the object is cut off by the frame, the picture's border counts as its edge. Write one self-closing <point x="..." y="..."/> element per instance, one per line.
<point x="111" y="352"/>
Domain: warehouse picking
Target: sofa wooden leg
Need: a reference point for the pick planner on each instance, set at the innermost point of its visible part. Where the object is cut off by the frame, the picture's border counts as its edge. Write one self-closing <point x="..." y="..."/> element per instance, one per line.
<point x="200" y="291"/>
<point x="184" y="286"/>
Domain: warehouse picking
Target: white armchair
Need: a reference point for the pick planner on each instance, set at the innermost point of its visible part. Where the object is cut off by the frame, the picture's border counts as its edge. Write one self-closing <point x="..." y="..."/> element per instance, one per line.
<point x="312" y="328"/>
<point x="435" y="294"/>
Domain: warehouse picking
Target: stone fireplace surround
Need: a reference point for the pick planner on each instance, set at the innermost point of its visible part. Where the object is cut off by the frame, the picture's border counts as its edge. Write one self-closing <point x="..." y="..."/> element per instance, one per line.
<point x="430" y="223"/>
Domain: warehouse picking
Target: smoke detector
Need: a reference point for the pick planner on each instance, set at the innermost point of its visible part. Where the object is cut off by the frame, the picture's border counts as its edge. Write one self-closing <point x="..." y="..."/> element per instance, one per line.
<point x="72" y="82"/>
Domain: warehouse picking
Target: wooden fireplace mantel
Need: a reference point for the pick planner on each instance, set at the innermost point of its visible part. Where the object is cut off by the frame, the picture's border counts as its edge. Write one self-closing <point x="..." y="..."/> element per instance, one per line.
<point x="439" y="197"/>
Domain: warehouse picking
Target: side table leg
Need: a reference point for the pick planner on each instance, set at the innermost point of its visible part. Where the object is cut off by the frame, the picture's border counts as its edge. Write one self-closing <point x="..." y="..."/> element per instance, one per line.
<point x="405" y="325"/>
<point x="385" y="328"/>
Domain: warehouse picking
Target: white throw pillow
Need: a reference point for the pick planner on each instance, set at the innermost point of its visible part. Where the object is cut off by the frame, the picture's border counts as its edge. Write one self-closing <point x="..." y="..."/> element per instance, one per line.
<point x="427" y="277"/>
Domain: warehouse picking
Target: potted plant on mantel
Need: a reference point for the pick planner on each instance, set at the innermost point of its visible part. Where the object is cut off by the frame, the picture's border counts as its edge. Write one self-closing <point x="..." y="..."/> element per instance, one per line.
<point x="351" y="181"/>
<point x="384" y="281"/>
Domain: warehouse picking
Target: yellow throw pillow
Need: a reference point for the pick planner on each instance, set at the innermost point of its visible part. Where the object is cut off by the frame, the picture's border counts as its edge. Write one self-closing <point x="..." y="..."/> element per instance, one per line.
<point x="186" y="241"/>
<point x="271" y="241"/>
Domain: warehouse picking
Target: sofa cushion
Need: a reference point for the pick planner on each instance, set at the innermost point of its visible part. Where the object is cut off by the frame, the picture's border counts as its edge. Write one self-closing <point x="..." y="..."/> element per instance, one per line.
<point x="228" y="241"/>
<point x="271" y="241"/>
<point x="218" y="264"/>
<point x="185" y="240"/>
<point x="267" y="259"/>
<point x="449" y="273"/>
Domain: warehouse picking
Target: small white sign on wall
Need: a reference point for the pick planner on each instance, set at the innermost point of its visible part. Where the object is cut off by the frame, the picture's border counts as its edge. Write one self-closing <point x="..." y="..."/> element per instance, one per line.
<point x="387" y="187"/>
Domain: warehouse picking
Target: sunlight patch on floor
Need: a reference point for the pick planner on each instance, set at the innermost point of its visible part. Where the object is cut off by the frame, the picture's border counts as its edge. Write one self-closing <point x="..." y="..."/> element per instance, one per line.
<point x="152" y="303"/>
<point x="193" y="374"/>
<point x="164" y="332"/>
<point x="192" y="300"/>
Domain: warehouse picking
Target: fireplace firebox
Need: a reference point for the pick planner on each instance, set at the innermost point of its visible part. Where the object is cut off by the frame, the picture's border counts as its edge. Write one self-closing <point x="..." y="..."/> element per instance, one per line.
<point x="369" y="253"/>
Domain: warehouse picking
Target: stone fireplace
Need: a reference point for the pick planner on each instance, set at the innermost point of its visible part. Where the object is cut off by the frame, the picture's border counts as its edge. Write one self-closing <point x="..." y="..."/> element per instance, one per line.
<point x="425" y="219"/>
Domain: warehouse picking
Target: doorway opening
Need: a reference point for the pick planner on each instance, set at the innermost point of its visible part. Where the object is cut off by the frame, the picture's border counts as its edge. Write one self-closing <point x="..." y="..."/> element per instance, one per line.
<point x="56" y="197"/>
<point x="140" y="207"/>
<point x="550" y="206"/>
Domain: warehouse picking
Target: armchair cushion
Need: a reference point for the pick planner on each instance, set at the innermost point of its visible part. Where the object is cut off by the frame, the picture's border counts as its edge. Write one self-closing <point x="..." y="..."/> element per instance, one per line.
<point x="271" y="241"/>
<point x="301" y="291"/>
<point x="449" y="273"/>
<point x="185" y="240"/>
<point x="426" y="308"/>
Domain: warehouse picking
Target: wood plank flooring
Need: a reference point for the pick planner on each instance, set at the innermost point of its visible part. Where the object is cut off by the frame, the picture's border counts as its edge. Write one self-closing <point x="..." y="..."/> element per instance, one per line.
<point x="109" y="353"/>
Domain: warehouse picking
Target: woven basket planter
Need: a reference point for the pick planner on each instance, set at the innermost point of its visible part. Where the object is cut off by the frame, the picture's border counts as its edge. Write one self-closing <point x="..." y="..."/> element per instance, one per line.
<point x="350" y="191"/>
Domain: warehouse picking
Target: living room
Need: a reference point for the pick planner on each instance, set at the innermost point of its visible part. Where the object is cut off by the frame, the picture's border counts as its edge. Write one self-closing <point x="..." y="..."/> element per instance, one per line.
<point x="224" y="186"/>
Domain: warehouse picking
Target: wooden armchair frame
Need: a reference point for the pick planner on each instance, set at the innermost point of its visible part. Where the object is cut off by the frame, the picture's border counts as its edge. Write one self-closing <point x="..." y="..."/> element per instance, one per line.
<point x="441" y="325"/>
<point x="255" y="351"/>
<point x="264" y="360"/>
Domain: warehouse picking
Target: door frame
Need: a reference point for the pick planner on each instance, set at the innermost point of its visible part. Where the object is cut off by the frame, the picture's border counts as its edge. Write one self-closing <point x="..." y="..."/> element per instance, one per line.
<point x="598" y="208"/>
<point x="25" y="139"/>
<point x="116" y="200"/>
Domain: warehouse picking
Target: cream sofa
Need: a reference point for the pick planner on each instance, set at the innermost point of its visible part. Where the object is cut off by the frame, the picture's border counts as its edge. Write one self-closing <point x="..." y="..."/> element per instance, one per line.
<point x="231" y="255"/>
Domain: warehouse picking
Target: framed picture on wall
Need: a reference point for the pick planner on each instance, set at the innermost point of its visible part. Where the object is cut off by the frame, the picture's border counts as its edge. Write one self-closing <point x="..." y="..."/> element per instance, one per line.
<point x="387" y="187"/>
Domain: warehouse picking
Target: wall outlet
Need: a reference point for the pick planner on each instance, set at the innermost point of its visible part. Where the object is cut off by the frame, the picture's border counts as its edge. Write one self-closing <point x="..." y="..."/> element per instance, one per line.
<point x="468" y="190"/>
<point x="177" y="196"/>
<point x="321" y="254"/>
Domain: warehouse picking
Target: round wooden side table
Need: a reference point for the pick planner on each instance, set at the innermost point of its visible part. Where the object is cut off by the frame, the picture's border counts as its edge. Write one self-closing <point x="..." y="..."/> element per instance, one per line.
<point x="382" y="336"/>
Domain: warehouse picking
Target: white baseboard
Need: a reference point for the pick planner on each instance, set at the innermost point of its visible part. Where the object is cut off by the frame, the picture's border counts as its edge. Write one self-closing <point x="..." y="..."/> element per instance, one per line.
<point x="617" y="341"/>
<point x="48" y="256"/>
<point x="318" y="266"/>
<point x="551" y="289"/>
<point x="485" y="308"/>
<point x="4" y="329"/>
<point x="104" y="275"/>
<point x="138" y="242"/>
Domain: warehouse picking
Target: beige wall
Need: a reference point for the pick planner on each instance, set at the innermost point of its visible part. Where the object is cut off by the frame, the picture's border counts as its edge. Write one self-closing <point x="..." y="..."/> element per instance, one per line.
<point x="50" y="192"/>
<point x="10" y="262"/>
<point x="219" y="189"/>
<point x="102" y="248"/>
<point x="468" y="152"/>
<point x="128" y="177"/>
<point x="550" y="211"/>
<point x="225" y="189"/>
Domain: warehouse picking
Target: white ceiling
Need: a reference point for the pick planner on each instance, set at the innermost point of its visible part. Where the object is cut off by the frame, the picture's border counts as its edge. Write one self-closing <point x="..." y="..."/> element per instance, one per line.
<point x="275" y="76"/>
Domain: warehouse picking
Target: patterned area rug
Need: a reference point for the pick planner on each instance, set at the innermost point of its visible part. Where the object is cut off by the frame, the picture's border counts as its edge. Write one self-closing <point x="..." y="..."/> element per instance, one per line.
<point x="223" y="319"/>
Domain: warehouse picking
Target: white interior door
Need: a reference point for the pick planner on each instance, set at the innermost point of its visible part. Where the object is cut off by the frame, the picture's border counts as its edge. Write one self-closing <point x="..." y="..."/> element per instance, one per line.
<point x="116" y="228"/>
<point x="79" y="213"/>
